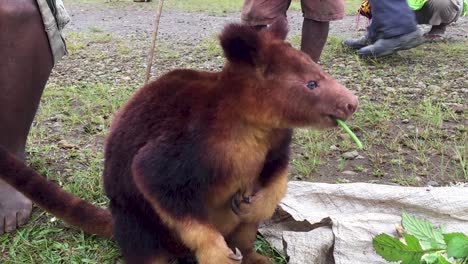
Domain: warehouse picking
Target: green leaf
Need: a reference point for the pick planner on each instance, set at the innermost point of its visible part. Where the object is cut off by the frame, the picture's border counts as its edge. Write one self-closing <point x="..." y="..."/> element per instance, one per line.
<point x="458" y="247"/>
<point x="443" y="260"/>
<point x="450" y="236"/>
<point x="392" y="249"/>
<point x="428" y="236"/>
<point x="435" y="258"/>
<point x="412" y="242"/>
<point x="430" y="258"/>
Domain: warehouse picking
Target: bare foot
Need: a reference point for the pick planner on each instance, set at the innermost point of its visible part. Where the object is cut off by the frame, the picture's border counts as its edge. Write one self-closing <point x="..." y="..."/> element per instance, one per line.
<point x="15" y="208"/>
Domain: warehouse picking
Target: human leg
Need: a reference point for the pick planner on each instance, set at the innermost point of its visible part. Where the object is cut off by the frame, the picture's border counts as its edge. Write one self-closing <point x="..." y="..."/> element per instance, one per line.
<point x="314" y="36"/>
<point x="315" y="28"/>
<point x="438" y="14"/>
<point x="391" y="19"/>
<point x="260" y="13"/>
<point x="436" y="31"/>
<point x="26" y="65"/>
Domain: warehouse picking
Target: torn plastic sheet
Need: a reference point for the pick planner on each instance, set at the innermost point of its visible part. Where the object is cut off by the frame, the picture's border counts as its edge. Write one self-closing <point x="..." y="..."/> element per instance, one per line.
<point x="335" y="223"/>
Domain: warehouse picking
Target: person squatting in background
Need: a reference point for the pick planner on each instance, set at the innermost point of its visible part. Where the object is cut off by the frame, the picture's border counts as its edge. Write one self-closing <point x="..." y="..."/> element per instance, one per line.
<point x="394" y="23"/>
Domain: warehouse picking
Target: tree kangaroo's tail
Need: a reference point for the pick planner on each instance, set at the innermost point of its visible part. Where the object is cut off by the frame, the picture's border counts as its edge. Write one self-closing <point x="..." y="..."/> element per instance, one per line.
<point x="50" y="197"/>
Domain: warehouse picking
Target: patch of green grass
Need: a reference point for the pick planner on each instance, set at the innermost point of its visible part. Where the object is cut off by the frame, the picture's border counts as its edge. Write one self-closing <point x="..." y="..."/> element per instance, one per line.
<point x="352" y="6"/>
<point x="461" y="153"/>
<point x="405" y="181"/>
<point x="50" y="243"/>
<point x="265" y="248"/>
<point x="78" y="41"/>
<point x="377" y="172"/>
<point x="431" y="113"/>
<point x="359" y="168"/>
<point x="75" y="42"/>
<point x="333" y="47"/>
<point x="210" y="47"/>
<point x="124" y="49"/>
<point x="342" y="180"/>
<point x="96" y="29"/>
<point x="310" y="144"/>
<point x="100" y="37"/>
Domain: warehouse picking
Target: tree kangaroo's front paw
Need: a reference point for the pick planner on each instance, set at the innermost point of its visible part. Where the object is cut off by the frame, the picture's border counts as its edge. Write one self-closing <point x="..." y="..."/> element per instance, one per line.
<point x="252" y="208"/>
<point x="219" y="255"/>
<point x="240" y="203"/>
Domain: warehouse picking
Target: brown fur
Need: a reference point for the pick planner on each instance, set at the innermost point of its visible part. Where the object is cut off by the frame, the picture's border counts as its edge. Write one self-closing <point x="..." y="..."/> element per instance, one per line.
<point x="185" y="145"/>
<point x="53" y="198"/>
<point x="245" y="235"/>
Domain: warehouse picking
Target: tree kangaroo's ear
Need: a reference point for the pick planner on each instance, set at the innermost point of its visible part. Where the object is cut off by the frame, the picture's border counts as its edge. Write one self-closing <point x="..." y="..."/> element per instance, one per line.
<point x="279" y="29"/>
<point x="241" y="44"/>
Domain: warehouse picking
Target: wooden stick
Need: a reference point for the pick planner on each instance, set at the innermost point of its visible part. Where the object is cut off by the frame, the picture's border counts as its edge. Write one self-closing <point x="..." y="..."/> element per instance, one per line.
<point x="151" y="51"/>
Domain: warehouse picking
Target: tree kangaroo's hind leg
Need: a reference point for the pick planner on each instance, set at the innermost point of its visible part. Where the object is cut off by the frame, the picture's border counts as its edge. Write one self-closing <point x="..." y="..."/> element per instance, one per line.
<point x="137" y="237"/>
<point x="160" y="259"/>
<point x="260" y="206"/>
<point x="179" y="202"/>
<point x="243" y="237"/>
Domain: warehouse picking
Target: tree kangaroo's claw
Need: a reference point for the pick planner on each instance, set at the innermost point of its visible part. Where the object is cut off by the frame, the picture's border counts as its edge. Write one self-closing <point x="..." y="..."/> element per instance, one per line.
<point x="236" y="256"/>
<point x="247" y="199"/>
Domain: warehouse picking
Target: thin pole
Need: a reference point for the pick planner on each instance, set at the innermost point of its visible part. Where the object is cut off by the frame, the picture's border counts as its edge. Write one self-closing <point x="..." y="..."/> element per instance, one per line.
<point x="151" y="51"/>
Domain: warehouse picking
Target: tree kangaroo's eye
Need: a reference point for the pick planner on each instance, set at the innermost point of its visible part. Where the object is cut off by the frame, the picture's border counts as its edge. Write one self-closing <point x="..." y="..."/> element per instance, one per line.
<point x="312" y="85"/>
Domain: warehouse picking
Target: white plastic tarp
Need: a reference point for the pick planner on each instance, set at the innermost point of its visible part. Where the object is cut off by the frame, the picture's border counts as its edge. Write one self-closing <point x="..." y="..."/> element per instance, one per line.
<point x="335" y="223"/>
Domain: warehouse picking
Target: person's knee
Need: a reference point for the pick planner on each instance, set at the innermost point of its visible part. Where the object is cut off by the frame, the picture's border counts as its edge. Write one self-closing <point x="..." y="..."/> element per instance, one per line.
<point x="18" y="12"/>
<point x="439" y="5"/>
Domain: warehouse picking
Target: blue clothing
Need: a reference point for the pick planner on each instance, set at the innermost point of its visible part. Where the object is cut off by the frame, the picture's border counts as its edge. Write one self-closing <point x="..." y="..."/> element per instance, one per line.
<point x="391" y="18"/>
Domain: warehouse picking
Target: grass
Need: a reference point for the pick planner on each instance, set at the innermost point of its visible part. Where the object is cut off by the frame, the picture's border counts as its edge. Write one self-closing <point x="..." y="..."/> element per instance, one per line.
<point x="410" y="136"/>
<point x="213" y="7"/>
<point x="263" y="247"/>
<point x="77" y="41"/>
<point x="48" y="244"/>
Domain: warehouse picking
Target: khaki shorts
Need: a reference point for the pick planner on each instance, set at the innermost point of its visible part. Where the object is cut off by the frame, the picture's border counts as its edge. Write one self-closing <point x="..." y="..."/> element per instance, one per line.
<point x="436" y="12"/>
<point x="263" y="12"/>
<point x="53" y="26"/>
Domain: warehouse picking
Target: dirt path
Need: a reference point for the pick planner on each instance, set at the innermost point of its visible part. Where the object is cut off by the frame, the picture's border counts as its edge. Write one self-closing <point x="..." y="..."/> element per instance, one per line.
<point x="177" y="26"/>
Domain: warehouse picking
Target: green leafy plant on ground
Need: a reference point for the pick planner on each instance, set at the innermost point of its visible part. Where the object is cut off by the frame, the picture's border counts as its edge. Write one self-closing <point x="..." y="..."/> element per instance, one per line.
<point x="265" y="248"/>
<point x="422" y="243"/>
